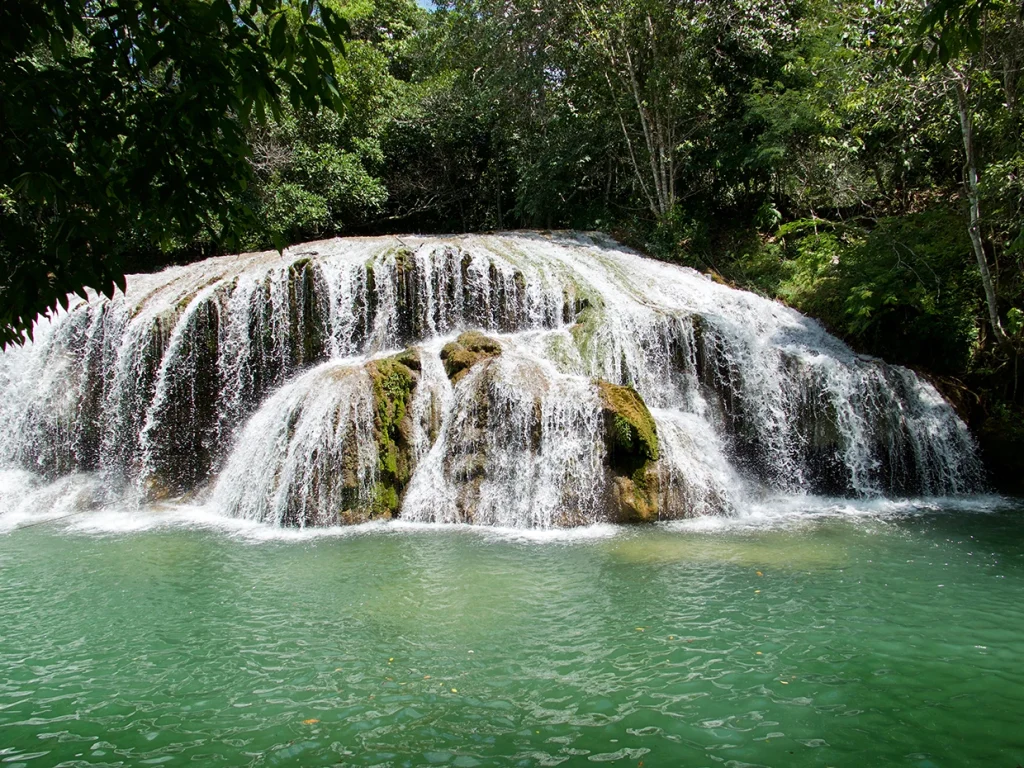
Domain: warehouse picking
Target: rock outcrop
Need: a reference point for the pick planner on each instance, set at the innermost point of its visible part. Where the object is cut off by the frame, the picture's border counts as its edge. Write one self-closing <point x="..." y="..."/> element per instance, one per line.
<point x="466" y="351"/>
<point x="394" y="380"/>
<point x="632" y="448"/>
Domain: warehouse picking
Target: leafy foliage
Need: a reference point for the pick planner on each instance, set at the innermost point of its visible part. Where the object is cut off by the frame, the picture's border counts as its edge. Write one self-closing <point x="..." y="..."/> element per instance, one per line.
<point x="899" y="290"/>
<point x="124" y="126"/>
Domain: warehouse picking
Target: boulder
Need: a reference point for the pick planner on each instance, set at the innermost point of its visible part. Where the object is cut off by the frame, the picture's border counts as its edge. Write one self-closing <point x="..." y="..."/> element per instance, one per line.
<point x="394" y="381"/>
<point x="631" y="441"/>
<point x="466" y="351"/>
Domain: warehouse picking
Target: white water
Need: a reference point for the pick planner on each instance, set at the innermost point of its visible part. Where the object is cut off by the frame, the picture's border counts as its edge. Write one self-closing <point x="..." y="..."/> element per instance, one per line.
<point x="240" y="382"/>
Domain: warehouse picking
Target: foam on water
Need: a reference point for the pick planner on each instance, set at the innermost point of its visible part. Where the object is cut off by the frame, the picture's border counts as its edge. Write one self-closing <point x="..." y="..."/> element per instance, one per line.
<point x="74" y="505"/>
<point x="789" y="511"/>
<point x="241" y="383"/>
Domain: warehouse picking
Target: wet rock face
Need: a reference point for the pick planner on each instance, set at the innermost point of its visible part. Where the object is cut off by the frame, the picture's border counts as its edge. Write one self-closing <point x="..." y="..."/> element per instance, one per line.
<point x="636" y="499"/>
<point x="181" y="436"/>
<point x="468" y="461"/>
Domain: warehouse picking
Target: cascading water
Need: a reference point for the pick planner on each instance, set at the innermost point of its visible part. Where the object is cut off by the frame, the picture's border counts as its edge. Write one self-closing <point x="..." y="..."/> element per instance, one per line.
<point x="516" y="380"/>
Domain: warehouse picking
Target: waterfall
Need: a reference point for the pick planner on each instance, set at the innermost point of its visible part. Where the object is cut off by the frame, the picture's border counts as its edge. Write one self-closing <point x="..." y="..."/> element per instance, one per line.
<point x="519" y="379"/>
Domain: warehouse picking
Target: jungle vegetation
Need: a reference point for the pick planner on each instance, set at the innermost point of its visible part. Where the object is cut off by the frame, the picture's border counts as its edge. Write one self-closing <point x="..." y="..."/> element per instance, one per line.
<point x="860" y="161"/>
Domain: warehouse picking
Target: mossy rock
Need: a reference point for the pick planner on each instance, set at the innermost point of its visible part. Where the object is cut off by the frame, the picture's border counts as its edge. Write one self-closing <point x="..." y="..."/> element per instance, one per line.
<point x="466" y="351"/>
<point x="384" y="503"/>
<point x="636" y="497"/>
<point x="405" y="259"/>
<point x="394" y="379"/>
<point x="410" y="358"/>
<point x="631" y="433"/>
<point x="632" y="444"/>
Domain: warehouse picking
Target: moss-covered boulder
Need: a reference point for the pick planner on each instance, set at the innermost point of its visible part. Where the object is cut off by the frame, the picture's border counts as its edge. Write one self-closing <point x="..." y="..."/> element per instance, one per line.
<point x="632" y="434"/>
<point x="410" y="358"/>
<point x="466" y="351"/>
<point x="631" y="440"/>
<point x="394" y="381"/>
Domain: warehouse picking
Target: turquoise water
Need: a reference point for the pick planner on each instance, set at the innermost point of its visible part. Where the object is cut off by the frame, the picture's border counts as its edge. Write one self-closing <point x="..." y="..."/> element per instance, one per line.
<point x="888" y="635"/>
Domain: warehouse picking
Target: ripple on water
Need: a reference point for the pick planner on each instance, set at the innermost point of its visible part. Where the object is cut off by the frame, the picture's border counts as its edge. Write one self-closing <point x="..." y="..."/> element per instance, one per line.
<point x="181" y="640"/>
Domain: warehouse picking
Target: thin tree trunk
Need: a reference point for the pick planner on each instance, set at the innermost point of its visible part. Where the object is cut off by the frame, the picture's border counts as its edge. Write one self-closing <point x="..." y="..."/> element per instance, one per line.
<point x="651" y="201"/>
<point x="974" y="230"/>
<point x="609" y="51"/>
<point x="653" y="148"/>
<point x="657" y="185"/>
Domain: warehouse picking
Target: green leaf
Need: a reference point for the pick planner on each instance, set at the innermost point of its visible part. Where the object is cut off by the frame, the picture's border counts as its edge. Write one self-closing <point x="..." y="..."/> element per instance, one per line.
<point x="279" y="37"/>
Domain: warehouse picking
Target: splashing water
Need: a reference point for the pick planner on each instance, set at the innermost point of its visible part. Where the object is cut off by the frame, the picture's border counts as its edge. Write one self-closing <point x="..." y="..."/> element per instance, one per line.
<point x="269" y="385"/>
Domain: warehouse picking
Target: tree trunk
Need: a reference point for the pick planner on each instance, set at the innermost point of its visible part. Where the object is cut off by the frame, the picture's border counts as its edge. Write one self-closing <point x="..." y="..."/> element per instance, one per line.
<point x="971" y="184"/>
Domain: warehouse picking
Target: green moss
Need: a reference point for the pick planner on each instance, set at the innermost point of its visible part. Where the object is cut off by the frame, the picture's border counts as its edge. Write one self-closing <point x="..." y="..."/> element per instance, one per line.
<point x="393" y="380"/>
<point x="645" y="493"/>
<point x="404" y="259"/>
<point x="632" y="443"/>
<point x="392" y="390"/>
<point x="632" y="434"/>
<point x="410" y="358"/>
<point x="466" y="351"/>
<point x="587" y="321"/>
<point x="384" y="502"/>
<point x="562" y="351"/>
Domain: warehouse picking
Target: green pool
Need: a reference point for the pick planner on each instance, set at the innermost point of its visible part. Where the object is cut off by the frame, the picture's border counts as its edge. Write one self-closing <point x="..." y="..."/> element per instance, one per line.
<point x="881" y="634"/>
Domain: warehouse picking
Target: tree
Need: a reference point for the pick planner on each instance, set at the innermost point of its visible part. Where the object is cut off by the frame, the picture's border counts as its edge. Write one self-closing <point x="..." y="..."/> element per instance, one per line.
<point x="591" y="113"/>
<point x="321" y="175"/>
<point x="124" y="127"/>
<point x="966" y="40"/>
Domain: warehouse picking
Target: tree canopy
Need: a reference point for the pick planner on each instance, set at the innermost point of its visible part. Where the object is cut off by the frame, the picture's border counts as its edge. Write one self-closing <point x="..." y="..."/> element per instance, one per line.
<point x="124" y="127"/>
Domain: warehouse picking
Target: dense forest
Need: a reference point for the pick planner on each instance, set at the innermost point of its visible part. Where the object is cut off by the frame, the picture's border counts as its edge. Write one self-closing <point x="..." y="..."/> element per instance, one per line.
<point x="860" y="161"/>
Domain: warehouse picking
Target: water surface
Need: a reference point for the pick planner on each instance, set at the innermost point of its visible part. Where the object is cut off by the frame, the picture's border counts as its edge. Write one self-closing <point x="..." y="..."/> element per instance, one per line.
<point x="885" y="634"/>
